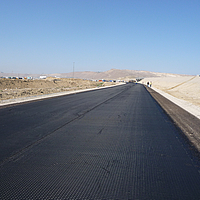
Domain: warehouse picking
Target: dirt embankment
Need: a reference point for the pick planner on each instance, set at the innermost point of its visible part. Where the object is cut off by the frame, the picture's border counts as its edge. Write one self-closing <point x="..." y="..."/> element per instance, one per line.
<point x="17" y="88"/>
<point x="186" y="87"/>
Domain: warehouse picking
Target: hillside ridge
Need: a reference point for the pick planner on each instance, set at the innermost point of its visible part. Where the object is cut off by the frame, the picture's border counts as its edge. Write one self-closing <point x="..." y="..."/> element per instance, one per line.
<point x="110" y="74"/>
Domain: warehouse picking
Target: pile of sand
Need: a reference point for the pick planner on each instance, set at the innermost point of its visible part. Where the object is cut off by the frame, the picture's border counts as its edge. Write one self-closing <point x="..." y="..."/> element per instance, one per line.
<point x="181" y="87"/>
<point x="18" y="88"/>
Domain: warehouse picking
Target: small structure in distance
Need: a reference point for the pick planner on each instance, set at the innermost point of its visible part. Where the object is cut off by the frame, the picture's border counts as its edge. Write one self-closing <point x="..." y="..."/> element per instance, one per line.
<point x="43" y="77"/>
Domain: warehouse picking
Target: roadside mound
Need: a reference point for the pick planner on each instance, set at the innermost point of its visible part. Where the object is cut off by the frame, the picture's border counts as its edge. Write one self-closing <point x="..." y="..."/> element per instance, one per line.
<point x="186" y="88"/>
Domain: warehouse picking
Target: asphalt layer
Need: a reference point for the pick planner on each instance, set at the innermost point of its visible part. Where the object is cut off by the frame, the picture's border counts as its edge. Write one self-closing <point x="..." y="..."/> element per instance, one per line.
<point x="188" y="123"/>
<point x="114" y="143"/>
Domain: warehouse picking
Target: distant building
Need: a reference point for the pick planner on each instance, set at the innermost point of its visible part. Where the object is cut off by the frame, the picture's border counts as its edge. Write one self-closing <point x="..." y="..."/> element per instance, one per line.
<point x="43" y="77"/>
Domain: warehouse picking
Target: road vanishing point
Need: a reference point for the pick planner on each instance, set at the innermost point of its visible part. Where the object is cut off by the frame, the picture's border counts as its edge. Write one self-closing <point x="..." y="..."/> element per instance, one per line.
<point x="113" y="143"/>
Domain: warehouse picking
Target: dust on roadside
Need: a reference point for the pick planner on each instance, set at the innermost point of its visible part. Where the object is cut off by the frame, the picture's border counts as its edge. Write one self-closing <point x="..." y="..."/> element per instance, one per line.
<point x="17" y="88"/>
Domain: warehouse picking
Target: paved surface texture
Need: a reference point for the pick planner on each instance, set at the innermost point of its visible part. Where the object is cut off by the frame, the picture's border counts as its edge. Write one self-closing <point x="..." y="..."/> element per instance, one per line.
<point x="186" y="105"/>
<point x="21" y="100"/>
<point x="188" y="123"/>
<point x="115" y="143"/>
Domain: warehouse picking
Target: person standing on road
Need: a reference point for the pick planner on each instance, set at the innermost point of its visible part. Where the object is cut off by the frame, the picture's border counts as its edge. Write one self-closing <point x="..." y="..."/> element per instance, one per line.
<point x="150" y="83"/>
<point x="147" y="84"/>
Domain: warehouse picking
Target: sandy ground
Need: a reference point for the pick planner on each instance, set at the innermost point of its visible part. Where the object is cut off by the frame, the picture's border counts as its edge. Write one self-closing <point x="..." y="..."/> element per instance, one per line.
<point x="186" y="87"/>
<point x="14" y="89"/>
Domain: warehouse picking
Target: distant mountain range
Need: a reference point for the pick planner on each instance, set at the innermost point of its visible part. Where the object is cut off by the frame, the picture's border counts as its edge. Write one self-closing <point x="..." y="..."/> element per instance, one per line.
<point x="113" y="74"/>
<point x="110" y="74"/>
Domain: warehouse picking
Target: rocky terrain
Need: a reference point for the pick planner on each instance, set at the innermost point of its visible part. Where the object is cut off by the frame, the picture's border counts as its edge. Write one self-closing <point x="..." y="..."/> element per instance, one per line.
<point x="16" y="88"/>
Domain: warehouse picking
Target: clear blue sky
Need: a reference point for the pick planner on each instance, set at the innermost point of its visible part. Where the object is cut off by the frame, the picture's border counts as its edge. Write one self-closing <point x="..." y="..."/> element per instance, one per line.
<point x="47" y="36"/>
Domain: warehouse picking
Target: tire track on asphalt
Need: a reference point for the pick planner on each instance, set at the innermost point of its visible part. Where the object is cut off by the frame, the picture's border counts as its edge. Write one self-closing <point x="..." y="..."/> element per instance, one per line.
<point x="79" y="116"/>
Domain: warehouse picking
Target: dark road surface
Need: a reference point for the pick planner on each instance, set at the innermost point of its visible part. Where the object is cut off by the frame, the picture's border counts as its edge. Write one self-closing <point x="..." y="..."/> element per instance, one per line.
<point x="114" y="143"/>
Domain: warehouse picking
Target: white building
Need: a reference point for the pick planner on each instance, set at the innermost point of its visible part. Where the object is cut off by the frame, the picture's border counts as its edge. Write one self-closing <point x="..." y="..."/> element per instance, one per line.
<point x="43" y="77"/>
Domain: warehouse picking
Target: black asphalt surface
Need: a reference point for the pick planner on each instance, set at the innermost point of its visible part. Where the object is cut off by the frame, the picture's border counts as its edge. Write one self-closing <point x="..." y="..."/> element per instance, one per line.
<point x="188" y="123"/>
<point x="114" y="143"/>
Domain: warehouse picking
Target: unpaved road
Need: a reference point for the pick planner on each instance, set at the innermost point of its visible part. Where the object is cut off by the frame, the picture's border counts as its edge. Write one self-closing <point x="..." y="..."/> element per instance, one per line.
<point x="114" y="143"/>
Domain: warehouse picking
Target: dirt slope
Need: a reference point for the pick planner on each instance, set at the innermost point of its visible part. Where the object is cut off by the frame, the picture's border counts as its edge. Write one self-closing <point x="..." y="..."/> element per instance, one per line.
<point x="186" y="87"/>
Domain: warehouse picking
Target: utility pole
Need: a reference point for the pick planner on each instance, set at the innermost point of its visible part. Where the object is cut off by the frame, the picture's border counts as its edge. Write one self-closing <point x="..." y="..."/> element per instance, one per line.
<point x="73" y="68"/>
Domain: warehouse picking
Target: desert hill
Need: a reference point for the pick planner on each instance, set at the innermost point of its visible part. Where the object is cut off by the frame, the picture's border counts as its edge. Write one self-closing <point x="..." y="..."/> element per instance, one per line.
<point x="114" y="74"/>
<point x="110" y="74"/>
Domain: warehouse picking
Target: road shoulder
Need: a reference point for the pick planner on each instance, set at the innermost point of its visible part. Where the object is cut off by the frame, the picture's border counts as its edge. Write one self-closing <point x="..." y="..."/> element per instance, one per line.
<point x="187" y="122"/>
